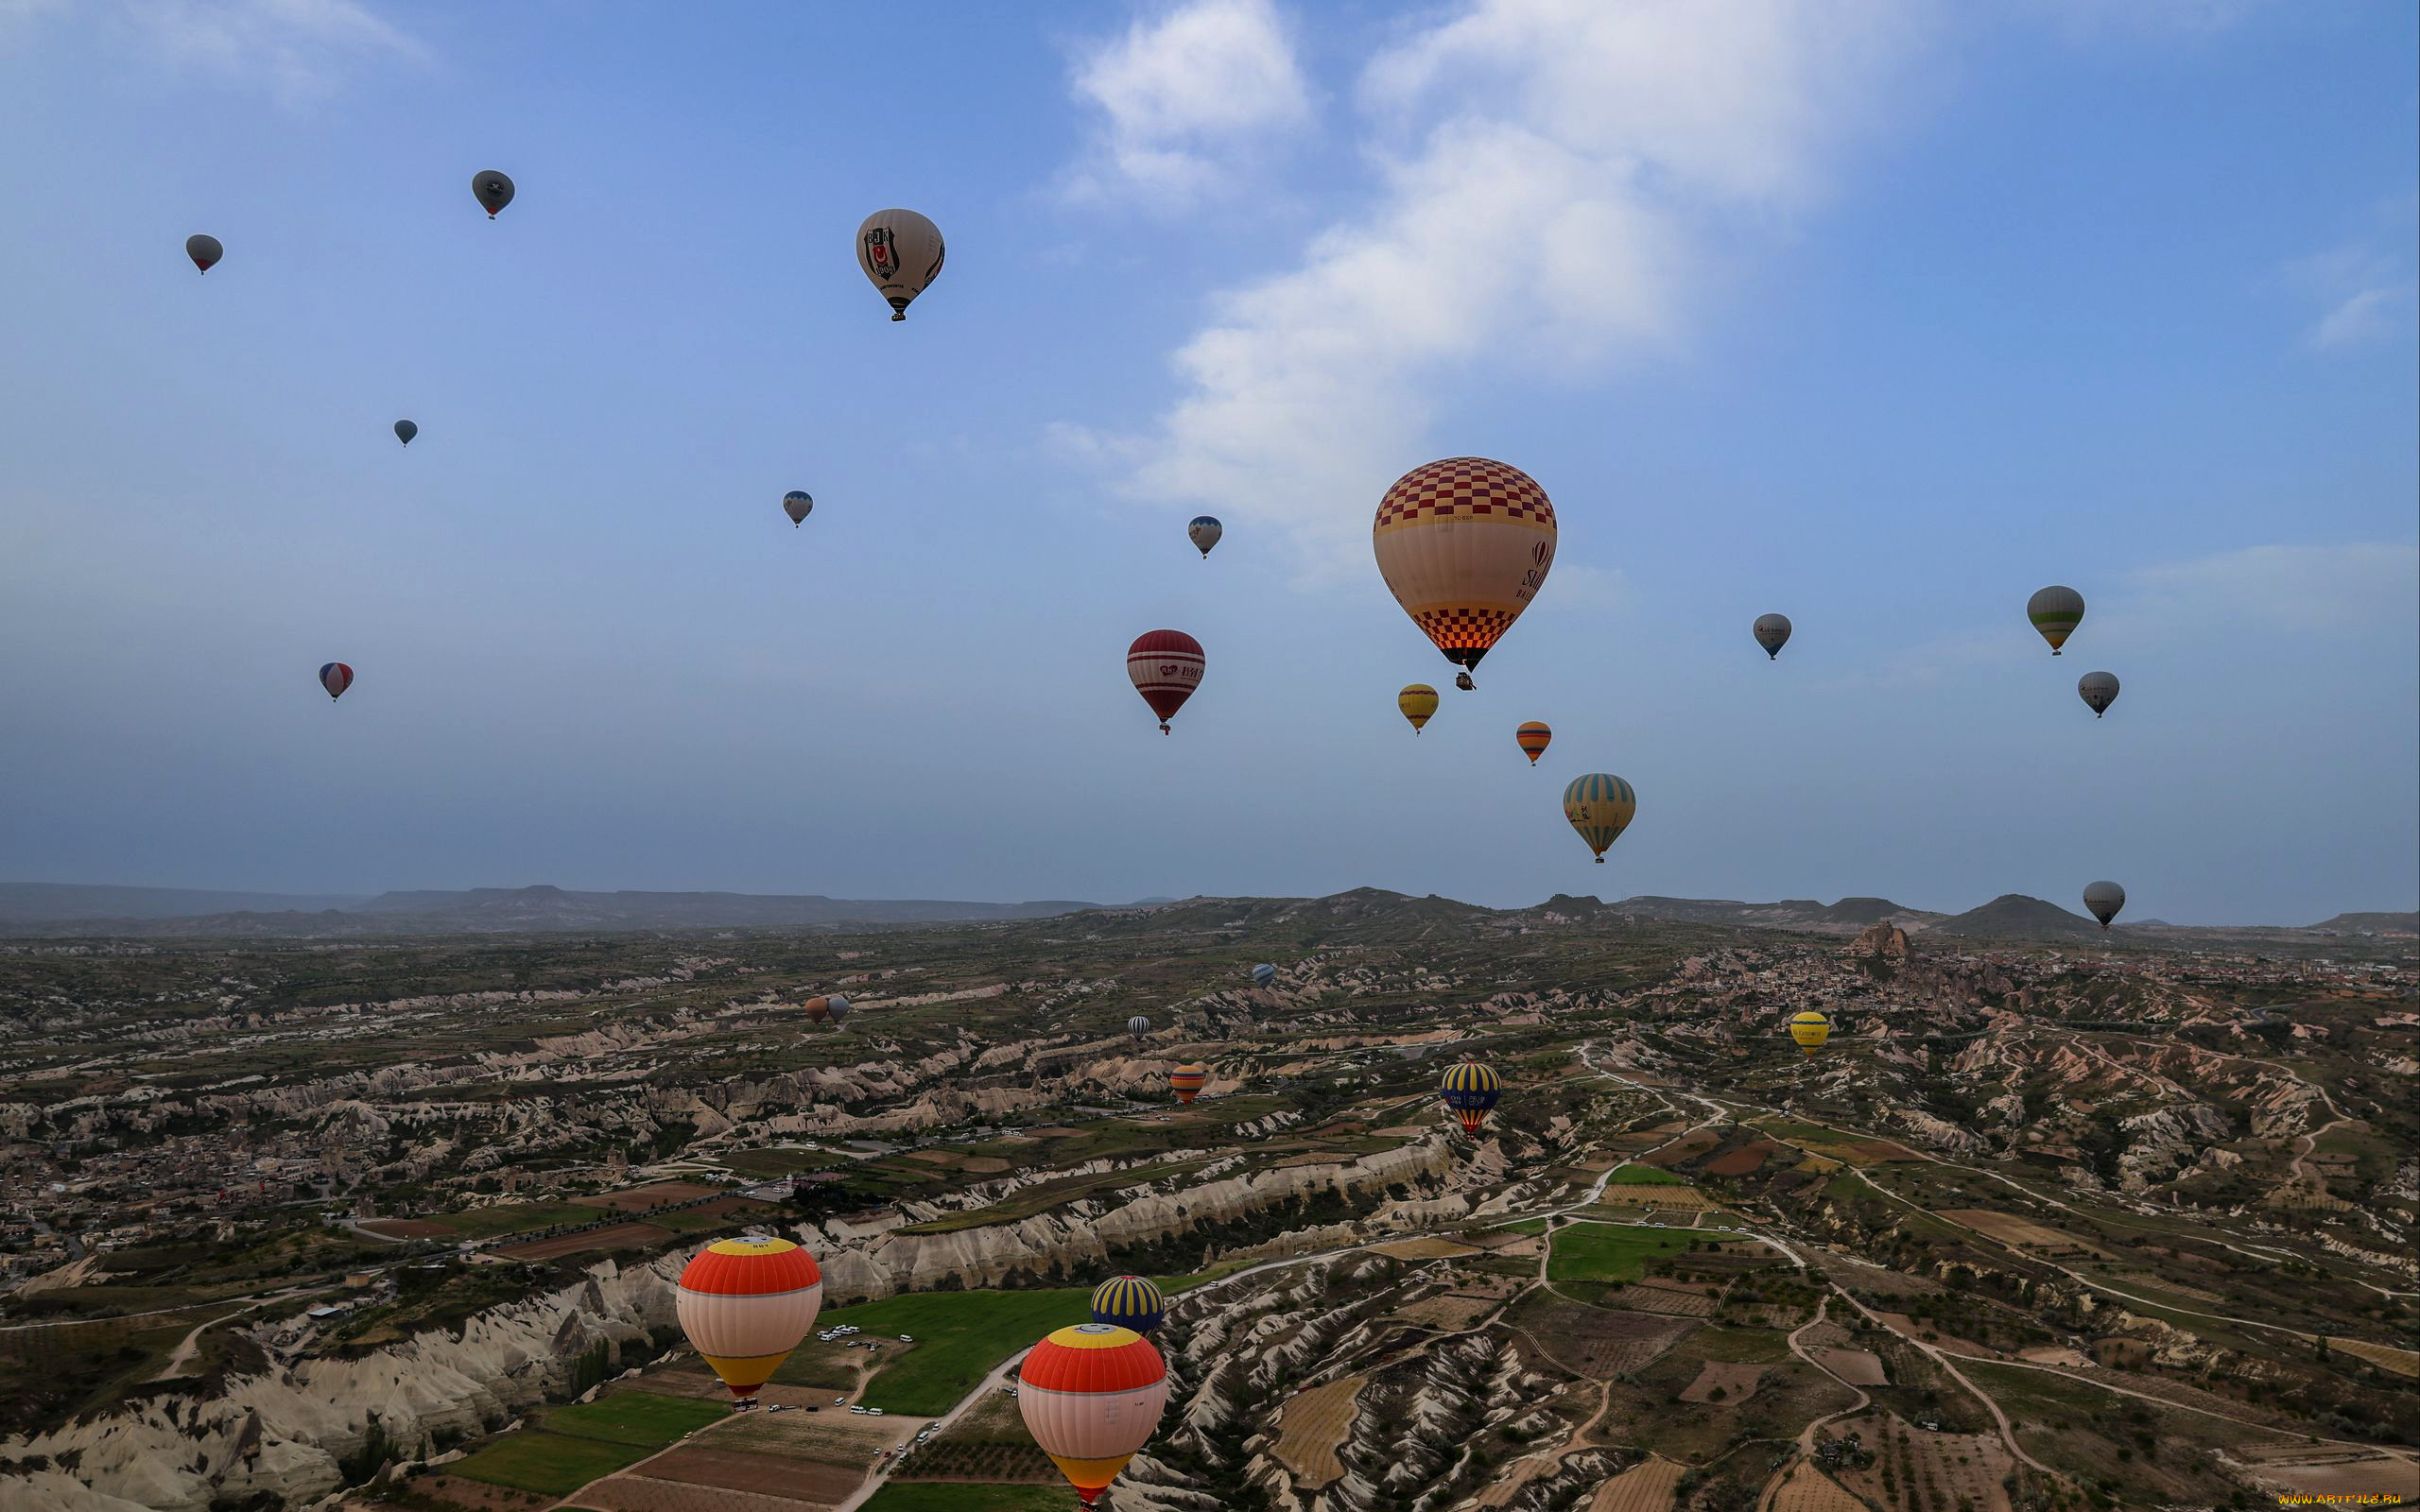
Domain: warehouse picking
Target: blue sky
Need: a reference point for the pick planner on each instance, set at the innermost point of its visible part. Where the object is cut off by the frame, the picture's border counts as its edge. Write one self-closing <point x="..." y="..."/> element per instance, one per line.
<point x="1879" y="314"/>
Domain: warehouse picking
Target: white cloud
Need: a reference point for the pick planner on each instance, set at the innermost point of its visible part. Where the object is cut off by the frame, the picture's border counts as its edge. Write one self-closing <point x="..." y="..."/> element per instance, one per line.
<point x="2306" y="590"/>
<point x="2366" y="286"/>
<point x="301" y="51"/>
<point x="1186" y="92"/>
<point x="1549" y="172"/>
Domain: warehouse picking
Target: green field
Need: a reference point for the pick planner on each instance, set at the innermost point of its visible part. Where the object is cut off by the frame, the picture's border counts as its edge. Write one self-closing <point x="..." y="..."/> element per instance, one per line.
<point x="515" y="1218"/>
<point x="768" y="1163"/>
<point x="1606" y="1252"/>
<point x="635" y="1418"/>
<point x="548" y="1464"/>
<point x="960" y="1336"/>
<point x="959" y="1496"/>
<point x="1645" y="1176"/>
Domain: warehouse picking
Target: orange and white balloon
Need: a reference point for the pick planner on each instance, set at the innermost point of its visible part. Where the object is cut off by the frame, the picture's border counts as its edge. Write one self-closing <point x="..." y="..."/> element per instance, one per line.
<point x="1091" y="1394"/>
<point x="745" y="1303"/>
<point x="1465" y="546"/>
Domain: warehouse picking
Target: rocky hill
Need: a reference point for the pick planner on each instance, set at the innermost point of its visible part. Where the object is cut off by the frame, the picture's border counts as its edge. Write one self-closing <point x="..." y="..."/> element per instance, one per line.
<point x="2014" y="916"/>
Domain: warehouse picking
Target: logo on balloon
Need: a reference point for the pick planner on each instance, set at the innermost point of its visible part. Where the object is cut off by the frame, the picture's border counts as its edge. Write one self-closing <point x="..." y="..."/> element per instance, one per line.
<point x="879" y="249"/>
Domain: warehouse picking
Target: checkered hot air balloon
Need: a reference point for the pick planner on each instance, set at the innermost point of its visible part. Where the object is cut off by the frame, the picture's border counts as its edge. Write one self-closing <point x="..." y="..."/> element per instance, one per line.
<point x="1091" y="1394"/>
<point x="1465" y="546"/>
<point x="1128" y="1302"/>
<point x="745" y="1303"/>
<point x="1471" y="1089"/>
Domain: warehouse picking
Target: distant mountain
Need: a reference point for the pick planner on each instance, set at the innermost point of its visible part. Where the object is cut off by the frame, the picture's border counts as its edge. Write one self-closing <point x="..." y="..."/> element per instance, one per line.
<point x="510" y="910"/>
<point x="37" y="901"/>
<point x="1149" y="902"/>
<point x="2373" y="924"/>
<point x="2014" y="916"/>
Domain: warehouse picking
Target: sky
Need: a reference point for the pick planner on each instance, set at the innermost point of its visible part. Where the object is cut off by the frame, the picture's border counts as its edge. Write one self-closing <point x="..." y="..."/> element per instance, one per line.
<point x="1880" y="314"/>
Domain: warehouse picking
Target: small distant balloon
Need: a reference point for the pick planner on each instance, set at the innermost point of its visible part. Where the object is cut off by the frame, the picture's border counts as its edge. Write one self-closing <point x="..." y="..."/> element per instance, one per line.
<point x="1533" y="737"/>
<point x="1418" y="701"/>
<point x="205" y="250"/>
<point x="2055" y="611"/>
<point x="797" y="504"/>
<point x="838" y="1006"/>
<point x="1809" y="1030"/>
<point x="817" y="1010"/>
<point x="1600" y="807"/>
<point x="1139" y="1027"/>
<point x="1471" y="1089"/>
<point x="1164" y="667"/>
<point x="493" y="190"/>
<point x="1204" y="532"/>
<point x="901" y="251"/>
<point x="336" y="677"/>
<point x="2098" y="690"/>
<point x="1263" y="975"/>
<point x="2102" y="900"/>
<point x="1772" y="633"/>
<point x="1188" y="1081"/>
<point x="1128" y="1302"/>
<point x="405" y="431"/>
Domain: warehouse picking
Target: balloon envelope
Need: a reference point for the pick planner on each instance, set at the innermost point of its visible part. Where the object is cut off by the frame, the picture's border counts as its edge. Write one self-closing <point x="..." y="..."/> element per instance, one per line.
<point x="205" y="250"/>
<point x="797" y="504"/>
<point x="2055" y="611"/>
<point x="1164" y="667"/>
<point x="817" y="1010"/>
<point x="2102" y="900"/>
<point x="405" y="431"/>
<point x="1090" y="1396"/>
<point x="493" y="190"/>
<point x="1772" y="633"/>
<point x="1810" y="1029"/>
<point x="336" y="677"/>
<point x="1533" y="738"/>
<point x="1600" y="807"/>
<point x="1263" y="975"/>
<point x="1471" y="1089"/>
<point x="1128" y="1302"/>
<point x="901" y="251"/>
<point x="1204" y="532"/>
<point x="745" y="1303"/>
<point x="1188" y="1081"/>
<point x="1418" y="701"/>
<point x="1465" y="546"/>
<point x="1138" y="1026"/>
<point x="2098" y="690"/>
<point x="838" y="1006"/>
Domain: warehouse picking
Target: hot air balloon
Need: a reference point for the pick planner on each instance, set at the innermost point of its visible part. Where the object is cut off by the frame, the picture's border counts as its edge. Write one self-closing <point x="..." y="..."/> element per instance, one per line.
<point x="1465" y="544"/>
<point x="901" y="251"/>
<point x="1139" y="1027"/>
<point x="1091" y="1394"/>
<point x="797" y="504"/>
<point x="1185" y="1081"/>
<point x="336" y="677"/>
<point x="1533" y="737"/>
<point x="1166" y="667"/>
<point x="1810" y="1029"/>
<point x="745" y="1303"/>
<point x="1471" y="1091"/>
<point x="1599" y="806"/>
<point x="492" y="189"/>
<point x="405" y="431"/>
<point x="817" y="1010"/>
<point x="205" y="250"/>
<point x="2055" y="611"/>
<point x="1263" y="975"/>
<point x="1418" y="701"/>
<point x="1204" y="532"/>
<point x="1772" y="633"/>
<point x="2097" y="689"/>
<point x="838" y="1006"/>
<point x="2102" y="900"/>
<point x="1128" y="1302"/>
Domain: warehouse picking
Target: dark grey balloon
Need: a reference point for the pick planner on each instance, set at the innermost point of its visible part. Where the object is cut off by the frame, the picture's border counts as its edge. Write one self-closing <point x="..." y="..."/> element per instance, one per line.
<point x="405" y="431"/>
<point x="493" y="190"/>
<point x="2102" y="900"/>
<point x="205" y="250"/>
<point x="1772" y="633"/>
<point x="2098" y="689"/>
<point x="797" y="504"/>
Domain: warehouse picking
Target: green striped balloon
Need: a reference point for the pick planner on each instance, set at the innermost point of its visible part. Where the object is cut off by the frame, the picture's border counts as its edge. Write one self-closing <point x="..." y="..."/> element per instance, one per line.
<point x="1599" y="806"/>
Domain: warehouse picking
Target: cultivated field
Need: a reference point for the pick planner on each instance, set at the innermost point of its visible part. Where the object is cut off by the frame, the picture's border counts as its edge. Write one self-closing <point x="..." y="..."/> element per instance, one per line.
<point x="1600" y="1345"/>
<point x="1424" y="1249"/>
<point x="1607" y="1252"/>
<point x="1808" y="1489"/>
<point x="2385" y="1356"/>
<point x="989" y="1442"/>
<point x="827" y="1436"/>
<point x="1313" y="1424"/>
<point x="1858" y="1367"/>
<point x="763" y="1474"/>
<point x="549" y="1464"/>
<point x="1448" y="1311"/>
<point x="611" y="1236"/>
<point x="1950" y="1469"/>
<point x="643" y="1417"/>
<point x="1646" y="1488"/>
<point x="1742" y="1161"/>
<point x="2372" y="1479"/>
<point x="1736" y="1382"/>
<point x="645" y="1493"/>
<point x="654" y="1195"/>
<point x="2024" y="1233"/>
<point x="410" y="1229"/>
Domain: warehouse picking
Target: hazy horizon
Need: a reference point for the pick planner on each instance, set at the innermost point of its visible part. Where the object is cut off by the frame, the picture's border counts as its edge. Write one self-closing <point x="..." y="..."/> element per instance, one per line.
<point x="1881" y="315"/>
